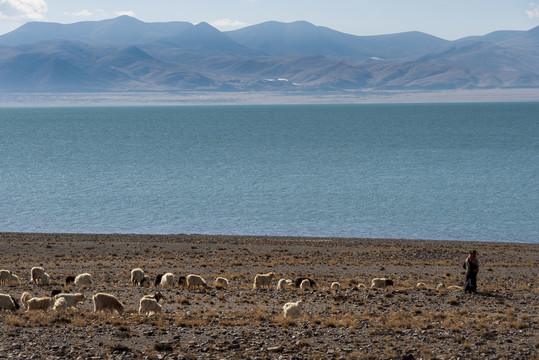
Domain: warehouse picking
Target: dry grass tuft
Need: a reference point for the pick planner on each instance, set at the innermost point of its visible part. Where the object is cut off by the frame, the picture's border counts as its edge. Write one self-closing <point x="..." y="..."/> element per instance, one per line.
<point x="12" y="320"/>
<point x="453" y="301"/>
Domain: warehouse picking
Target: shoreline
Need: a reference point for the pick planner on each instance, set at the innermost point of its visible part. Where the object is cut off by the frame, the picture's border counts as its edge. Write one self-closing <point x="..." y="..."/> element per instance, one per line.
<point x="247" y="237"/>
<point x="500" y="321"/>
<point x="206" y="98"/>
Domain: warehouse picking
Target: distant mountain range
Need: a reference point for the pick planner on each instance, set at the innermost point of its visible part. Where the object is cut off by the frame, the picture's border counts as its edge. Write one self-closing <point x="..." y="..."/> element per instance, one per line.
<point x="125" y="54"/>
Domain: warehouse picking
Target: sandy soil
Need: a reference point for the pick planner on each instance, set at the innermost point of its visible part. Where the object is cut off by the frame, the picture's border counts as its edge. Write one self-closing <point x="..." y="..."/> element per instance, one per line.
<point x="499" y="322"/>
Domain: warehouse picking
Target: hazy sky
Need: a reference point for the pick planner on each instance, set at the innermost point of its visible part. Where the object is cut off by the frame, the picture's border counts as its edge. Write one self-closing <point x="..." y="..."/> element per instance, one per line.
<point x="448" y="19"/>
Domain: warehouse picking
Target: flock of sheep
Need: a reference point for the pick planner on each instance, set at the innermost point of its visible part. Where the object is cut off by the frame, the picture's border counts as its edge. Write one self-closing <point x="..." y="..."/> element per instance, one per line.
<point x="148" y="304"/>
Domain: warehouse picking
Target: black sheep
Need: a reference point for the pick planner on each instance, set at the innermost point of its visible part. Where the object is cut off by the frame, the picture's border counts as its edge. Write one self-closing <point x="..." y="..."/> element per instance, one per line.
<point x="158" y="279"/>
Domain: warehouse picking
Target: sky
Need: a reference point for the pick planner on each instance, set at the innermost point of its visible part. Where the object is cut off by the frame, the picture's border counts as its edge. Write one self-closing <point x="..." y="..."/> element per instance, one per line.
<point x="448" y="19"/>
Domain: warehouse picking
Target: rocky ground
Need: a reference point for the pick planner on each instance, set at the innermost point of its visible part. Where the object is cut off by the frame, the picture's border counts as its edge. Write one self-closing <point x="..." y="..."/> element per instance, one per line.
<point x="400" y="322"/>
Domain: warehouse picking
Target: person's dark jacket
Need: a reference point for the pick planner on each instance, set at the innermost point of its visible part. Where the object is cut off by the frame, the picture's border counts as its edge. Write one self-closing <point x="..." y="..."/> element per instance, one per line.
<point x="472" y="266"/>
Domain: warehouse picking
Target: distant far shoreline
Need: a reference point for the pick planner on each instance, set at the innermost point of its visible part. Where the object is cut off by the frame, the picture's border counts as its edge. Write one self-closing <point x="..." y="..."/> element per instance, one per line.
<point x="197" y="98"/>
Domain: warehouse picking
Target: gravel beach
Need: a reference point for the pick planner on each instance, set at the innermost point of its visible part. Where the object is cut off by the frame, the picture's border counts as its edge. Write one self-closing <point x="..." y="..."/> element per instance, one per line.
<point x="401" y="321"/>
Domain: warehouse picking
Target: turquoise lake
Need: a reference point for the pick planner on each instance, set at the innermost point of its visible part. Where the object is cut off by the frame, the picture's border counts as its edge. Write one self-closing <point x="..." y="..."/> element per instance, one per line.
<point x="421" y="171"/>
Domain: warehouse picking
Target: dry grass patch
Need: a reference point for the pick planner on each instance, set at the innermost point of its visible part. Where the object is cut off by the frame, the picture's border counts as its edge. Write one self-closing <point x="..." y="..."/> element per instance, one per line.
<point x="47" y="319"/>
<point x="79" y="321"/>
<point x="191" y="322"/>
<point x="12" y="320"/>
<point x="284" y="322"/>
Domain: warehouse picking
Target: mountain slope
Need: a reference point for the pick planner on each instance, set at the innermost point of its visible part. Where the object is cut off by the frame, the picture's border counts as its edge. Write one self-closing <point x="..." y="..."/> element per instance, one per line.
<point x="127" y="54"/>
<point x="302" y="38"/>
<point x="123" y="30"/>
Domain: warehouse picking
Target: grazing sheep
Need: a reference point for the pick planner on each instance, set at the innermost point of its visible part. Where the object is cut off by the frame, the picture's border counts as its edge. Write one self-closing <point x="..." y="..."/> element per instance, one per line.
<point x="283" y="284"/>
<point x="454" y="287"/>
<point x="42" y="303"/>
<point x="39" y="276"/>
<point x="14" y="279"/>
<point x="60" y="304"/>
<point x="71" y="299"/>
<point x="167" y="280"/>
<point x="7" y="277"/>
<point x="440" y="286"/>
<point x="55" y="292"/>
<point x="378" y="283"/>
<point x="4" y="276"/>
<point x="149" y="306"/>
<point x="335" y="286"/>
<point x="46" y="279"/>
<point x="137" y="275"/>
<point x="145" y="281"/>
<point x="70" y="280"/>
<point x="157" y="296"/>
<point x="157" y="281"/>
<point x="305" y="285"/>
<point x="421" y="285"/>
<point x="7" y="302"/>
<point x="361" y="287"/>
<point x="263" y="280"/>
<point x="25" y="297"/>
<point x="108" y="302"/>
<point x="36" y="273"/>
<point x="298" y="281"/>
<point x="182" y="281"/>
<point x="221" y="283"/>
<point x="195" y="281"/>
<point x="292" y="309"/>
<point x="83" y="279"/>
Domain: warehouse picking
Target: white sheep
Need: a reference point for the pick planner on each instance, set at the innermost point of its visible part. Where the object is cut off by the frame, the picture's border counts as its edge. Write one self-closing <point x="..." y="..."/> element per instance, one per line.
<point x="7" y="302"/>
<point x="4" y="276"/>
<point x="221" y="282"/>
<point x="195" y="281"/>
<point x="156" y="296"/>
<point x="71" y="299"/>
<point x="7" y="277"/>
<point x="39" y="276"/>
<point x="292" y="309"/>
<point x="14" y="279"/>
<point x="42" y="303"/>
<point x="25" y="297"/>
<point x="285" y="284"/>
<point x="421" y="285"/>
<point x="454" y="287"/>
<point x="36" y="273"/>
<point x="167" y="280"/>
<point x="149" y="306"/>
<point x="60" y="304"/>
<point x="361" y="286"/>
<point x="263" y="280"/>
<point x="440" y="286"/>
<point x="46" y="279"/>
<point x="335" y="286"/>
<point x="305" y="285"/>
<point x="137" y="276"/>
<point x="378" y="283"/>
<point x="108" y="302"/>
<point x="299" y="280"/>
<point x="83" y="279"/>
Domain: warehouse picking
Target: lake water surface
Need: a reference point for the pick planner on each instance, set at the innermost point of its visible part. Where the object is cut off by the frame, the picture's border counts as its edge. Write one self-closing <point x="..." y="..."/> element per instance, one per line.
<point x="427" y="171"/>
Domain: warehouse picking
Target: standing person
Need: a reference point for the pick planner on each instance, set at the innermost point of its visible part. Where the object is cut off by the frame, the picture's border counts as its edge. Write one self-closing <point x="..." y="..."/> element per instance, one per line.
<point x="472" y="268"/>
